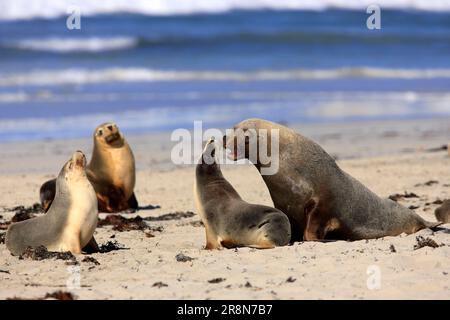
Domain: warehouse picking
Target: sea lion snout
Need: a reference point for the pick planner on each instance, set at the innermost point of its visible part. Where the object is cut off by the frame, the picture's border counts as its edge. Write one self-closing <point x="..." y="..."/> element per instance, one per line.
<point x="209" y="152"/>
<point x="79" y="159"/>
<point x="237" y="143"/>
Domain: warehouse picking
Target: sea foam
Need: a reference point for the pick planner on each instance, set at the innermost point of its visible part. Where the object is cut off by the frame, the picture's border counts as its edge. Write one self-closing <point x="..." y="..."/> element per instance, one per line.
<point x="29" y="9"/>
<point x="89" y="76"/>
<point x="64" y="45"/>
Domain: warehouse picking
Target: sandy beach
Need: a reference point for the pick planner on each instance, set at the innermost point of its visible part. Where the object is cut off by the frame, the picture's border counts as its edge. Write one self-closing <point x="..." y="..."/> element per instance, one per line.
<point x="389" y="161"/>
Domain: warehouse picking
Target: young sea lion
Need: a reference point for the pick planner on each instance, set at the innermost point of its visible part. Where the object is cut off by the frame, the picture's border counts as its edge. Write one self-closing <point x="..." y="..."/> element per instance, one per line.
<point x="230" y="221"/>
<point x="111" y="171"/>
<point x="321" y="200"/>
<point x="71" y="220"/>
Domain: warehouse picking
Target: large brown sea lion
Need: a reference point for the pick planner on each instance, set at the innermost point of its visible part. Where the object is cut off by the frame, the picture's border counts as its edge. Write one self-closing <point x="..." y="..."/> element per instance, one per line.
<point x="321" y="200"/>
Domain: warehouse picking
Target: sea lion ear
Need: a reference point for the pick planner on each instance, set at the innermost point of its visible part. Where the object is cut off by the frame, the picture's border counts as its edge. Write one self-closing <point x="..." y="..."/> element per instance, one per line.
<point x="99" y="132"/>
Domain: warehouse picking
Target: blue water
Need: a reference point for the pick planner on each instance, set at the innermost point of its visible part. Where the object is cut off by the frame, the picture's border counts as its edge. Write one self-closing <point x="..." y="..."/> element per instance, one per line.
<point x="152" y="73"/>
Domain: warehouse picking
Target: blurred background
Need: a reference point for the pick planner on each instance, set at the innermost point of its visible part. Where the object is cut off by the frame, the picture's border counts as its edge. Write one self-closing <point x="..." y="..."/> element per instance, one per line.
<point x="160" y="65"/>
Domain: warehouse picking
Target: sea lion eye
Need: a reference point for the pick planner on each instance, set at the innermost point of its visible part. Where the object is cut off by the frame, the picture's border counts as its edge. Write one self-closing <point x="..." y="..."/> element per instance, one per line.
<point x="100" y="132"/>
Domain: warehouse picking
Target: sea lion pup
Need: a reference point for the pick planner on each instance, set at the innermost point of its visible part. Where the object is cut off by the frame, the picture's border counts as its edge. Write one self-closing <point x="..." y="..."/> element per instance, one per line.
<point x="111" y="171"/>
<point x="71" y="220"/>
<point x="443" y="212"/>
<point x="321" y="200"/>
<point x="230" y="221"/>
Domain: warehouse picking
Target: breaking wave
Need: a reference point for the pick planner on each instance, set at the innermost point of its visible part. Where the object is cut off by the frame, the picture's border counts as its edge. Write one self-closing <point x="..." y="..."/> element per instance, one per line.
<point x="30" y="9"/>
<point x="88" y="76"/>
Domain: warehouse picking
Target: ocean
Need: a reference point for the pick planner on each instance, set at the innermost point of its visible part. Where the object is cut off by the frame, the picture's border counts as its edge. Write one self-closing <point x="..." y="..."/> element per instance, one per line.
<point x="158" y="66"/>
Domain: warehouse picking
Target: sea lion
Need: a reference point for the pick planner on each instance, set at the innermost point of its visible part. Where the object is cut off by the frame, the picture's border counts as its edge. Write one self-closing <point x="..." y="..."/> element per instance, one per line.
<point x="230" y="221"/>
<point x="111" y="171"/>
<point x="321" y="200"/>
<point x="443" y="212"/>
<point x="71" y="220"/>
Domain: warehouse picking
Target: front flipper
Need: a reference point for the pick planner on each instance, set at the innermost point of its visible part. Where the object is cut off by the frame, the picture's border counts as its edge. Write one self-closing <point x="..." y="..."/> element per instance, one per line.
<point x="318" y="224"/>
<point x="103" y="203"/>
<point x="91" y="247"/>
<point x="211" y="239"/>
<point x="314" y="228"/>
<point x="113" y="201"/>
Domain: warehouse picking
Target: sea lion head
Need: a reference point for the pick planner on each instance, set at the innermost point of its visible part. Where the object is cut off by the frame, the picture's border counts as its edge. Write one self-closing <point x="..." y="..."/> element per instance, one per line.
<point x="108" y="135"/>
<point x="75" y="168"/>
<point x="208" y="163"/>
<point x="274" y="230"/>
<point x="237" y="142"/>
<point x="247" y="136"/>
<point x="258" y="226"/>
<point x="443" y="212"/>
<point x="209" y="152"/>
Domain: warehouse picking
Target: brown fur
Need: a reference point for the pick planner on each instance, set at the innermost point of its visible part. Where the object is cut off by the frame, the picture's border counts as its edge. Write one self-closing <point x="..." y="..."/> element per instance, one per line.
<point x="230" y="221"/>
<point x="111" y="172"/>
<point x="443" y="212"/>
<point x="321" y="200"/>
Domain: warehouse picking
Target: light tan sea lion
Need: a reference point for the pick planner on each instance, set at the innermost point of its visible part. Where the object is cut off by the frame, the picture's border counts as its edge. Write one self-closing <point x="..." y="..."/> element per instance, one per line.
<point x="230" y="221"/>
<point x="71" y="220"/>
<point x="321" y="200"/>
<point x="111" y="171"/>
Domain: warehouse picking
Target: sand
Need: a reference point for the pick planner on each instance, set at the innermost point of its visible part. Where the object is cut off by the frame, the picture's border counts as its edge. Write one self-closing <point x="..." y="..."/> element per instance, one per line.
<point x="387" y="161"/>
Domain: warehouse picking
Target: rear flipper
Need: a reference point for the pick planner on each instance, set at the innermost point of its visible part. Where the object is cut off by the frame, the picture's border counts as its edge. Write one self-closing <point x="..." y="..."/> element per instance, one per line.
<point x="434" y="226"/>
<point x="47" y="194"/>
<point x="91" y="247"/>
<point x="133" y="203"/>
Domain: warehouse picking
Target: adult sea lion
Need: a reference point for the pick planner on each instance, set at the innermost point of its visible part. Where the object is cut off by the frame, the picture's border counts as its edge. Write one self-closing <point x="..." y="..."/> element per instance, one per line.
<point x="111" y="171"/>
<point x="321" y="200"/>
<point x="71" y="220"/>
<point x="230" y="221"/>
